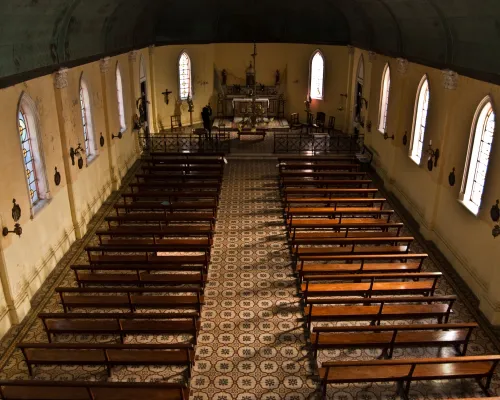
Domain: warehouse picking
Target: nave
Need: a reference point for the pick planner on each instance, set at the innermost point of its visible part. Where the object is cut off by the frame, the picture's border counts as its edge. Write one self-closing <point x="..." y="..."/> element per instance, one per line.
<point x="254" y="340"/>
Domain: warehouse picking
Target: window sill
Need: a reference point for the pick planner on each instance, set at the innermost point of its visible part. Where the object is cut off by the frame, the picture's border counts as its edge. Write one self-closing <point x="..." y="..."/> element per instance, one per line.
<point x="470" y="207"/>
<point x="416" y="160"/>
<point x="39" y="206"/>
<point x="381" y="132"/>
<point x="91" y="159"/>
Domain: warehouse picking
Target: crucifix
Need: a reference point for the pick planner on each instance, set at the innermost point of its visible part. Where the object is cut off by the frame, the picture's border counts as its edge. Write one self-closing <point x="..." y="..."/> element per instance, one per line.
<point x="166" y="93"/>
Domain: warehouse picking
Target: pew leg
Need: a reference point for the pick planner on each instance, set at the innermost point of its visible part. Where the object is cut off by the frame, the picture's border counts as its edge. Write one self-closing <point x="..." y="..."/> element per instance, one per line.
<point x="486" y="386"/>
<point x="323" y="390"/>
<point x="30" y="368"/>
<point x="403" y="389"/>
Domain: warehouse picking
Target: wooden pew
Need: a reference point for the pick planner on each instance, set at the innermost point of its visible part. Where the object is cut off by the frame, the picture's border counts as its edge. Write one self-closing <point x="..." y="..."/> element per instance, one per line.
<point x="356" y="245"/>
<point x="172" y="196"/>
<point x="389" y="337"/>
<point x="190" y="156"/>
<point x="406" y="371"/>
<point x="289" y="193"/>
<point x="149" y="262"/>
<point x="337" y="215"/>
<point x="121" y="324"/>
<point x="179" y="177"/>
<point x="349" y="229"/>
<point x="91" y="390"/>
<point x="156" y="232"/>
<point x="319" y="159"/>
<point x="130" y="298"/>
<point x="380" y="309"/>
<point x="369" y="285"/>
<point x="326" y="183"/>
<point x="107" y="355"/>
<point x="321" y="175"/>
<point x="160" y="219"/>
<point x="361" y="267"/>
<point x="166" y="185"/>
<point x="326" y="226"/>
<point x="334" y="202"/>
<point x="132" y="275"/>
<point x="186" y="167"/>
<point x="167" y="206"/>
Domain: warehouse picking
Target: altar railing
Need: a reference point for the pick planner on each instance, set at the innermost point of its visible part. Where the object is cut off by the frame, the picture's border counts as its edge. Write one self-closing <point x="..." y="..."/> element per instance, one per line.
<point x="184" y="142"/>
<point x="317" y="143"/>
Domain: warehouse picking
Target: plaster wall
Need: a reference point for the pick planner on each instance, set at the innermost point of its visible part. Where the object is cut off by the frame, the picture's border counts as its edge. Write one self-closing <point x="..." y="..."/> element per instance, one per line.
<point x="465" y="239"/>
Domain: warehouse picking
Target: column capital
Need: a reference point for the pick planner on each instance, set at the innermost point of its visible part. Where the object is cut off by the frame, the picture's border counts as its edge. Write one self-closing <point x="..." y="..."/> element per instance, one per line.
<point x="402" y="65"/>
<point x="104" y="64"/>
<point x="450" y="79"/>
<point x="132" y="56"/>
<point x="61" y="78"/>
<point x="350" y="49"/>
<point x="372" y="56"/>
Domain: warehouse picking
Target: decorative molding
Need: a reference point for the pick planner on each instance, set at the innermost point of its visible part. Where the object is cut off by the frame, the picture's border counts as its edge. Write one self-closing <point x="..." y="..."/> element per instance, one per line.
<point x="350" y="50"/>
<point x="402" y="65"/>
<point x="104" y="64"/>
<point x="450" y="79"/>
<point x="132" y="56"/>
<point x="61" y="78"/>
<point x="372" y="56"/>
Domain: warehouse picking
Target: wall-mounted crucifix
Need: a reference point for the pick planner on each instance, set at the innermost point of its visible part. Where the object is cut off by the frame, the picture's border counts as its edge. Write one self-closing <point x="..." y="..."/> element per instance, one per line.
<point x="166" y="93"/>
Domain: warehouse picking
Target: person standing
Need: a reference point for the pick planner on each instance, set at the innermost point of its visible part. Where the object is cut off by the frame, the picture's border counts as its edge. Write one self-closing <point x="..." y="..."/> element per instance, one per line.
<point x="206" y="113"/>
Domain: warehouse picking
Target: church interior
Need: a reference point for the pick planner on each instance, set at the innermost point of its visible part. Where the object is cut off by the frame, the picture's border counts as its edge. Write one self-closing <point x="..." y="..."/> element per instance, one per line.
<point x="268" y="201"/>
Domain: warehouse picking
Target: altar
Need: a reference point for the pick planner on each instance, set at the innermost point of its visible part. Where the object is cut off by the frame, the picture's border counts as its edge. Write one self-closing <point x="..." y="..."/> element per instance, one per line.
<point x="242" y="106"/>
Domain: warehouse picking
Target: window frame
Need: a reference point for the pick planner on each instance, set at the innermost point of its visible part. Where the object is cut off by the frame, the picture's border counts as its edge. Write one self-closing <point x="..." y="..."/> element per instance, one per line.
<point x="179" y="78"/>
<point x="120" y="99"/>
<point x="384" y="99"/>
<point x="314" y="54"/>
<point x="87" y="121"/>
<point x="417" y="119"/>
<point x="487" y="107"/>
<point x="28" y="109"/>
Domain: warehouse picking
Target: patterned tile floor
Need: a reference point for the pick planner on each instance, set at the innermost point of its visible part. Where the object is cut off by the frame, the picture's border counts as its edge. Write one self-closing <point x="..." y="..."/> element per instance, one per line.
<point x="252" y="344"/>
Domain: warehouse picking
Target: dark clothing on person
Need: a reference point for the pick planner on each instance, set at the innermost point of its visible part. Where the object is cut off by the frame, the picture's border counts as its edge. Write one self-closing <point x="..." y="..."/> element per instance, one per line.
<point x="206" y="113"/>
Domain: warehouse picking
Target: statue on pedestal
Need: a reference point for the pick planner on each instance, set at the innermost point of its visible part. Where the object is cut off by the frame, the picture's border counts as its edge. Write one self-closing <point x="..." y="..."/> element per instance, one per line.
<point x="277" y="78"/>
<point x="224" y="77"/>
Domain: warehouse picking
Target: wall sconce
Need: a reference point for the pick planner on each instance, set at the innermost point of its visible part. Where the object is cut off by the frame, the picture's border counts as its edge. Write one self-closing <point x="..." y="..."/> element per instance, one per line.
<point x="451" y="177"/>
<point x="405" y="138"/>
<point x="433" y="157"/>
<point x="341" y="104"/>
<point x="119" y="136"/>
<point x="386" y="136"/>
<point x="16" y="215"/>
<point x="57" y="177"/>
<point x="78" y="153"/>
<point x="495" y="216"/>
<point x="101" y="140"/>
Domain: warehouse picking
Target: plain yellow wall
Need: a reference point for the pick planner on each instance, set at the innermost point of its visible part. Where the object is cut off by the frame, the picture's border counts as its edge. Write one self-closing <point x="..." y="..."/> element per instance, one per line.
<point x="465" y="239"/>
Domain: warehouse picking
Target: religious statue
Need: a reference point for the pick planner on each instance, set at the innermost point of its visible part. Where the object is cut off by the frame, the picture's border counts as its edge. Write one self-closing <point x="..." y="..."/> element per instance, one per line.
<point x="141" y="105"/>
<point x="189" y="101"/>
<point x="308" y="103"/>
<point x="224" y="77"/>
<point x="277" y="78"/>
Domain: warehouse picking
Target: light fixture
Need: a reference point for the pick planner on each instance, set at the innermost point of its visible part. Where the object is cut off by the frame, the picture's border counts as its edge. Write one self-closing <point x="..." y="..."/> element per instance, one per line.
<point x="16" y="215"/>
<point x="341" y="104"/>
<point x="495" y="216"/>
<point x="405" y="138"/>
<point x="386" y="136"/>
<point x="119" y="136"/>
<point x="78" y="153"/>
<point x="433" y="157"/>
<point x="451" y="177"/>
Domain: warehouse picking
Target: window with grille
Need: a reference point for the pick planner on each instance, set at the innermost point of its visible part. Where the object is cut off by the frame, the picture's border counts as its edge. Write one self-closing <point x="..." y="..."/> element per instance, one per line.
<point x="88" y="132"/>
<point x="482" y="132"/>
<point x="317" y="73"/>
<point x="420" y="120"/>
<point x="119" y="95"/>
<point x="185" y="76"/>
<point x="30" y="169"/>
<point x="384" y="99"/>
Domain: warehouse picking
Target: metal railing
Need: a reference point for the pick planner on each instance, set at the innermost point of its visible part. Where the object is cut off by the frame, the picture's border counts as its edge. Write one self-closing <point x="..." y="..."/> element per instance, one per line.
<point x="317" y="143"/>
<point x="173" y="142"/>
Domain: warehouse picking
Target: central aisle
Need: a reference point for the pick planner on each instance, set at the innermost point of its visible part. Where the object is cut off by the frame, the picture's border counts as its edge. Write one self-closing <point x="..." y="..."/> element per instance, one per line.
<point x="251" y="342"/>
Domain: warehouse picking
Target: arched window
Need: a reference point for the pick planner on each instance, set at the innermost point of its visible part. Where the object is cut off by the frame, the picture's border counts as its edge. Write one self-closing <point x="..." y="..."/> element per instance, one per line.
<point x="317" y="75"/>
<point x="384" y="99"/>
<point x="119" y="95"/>
<point x="478" y="155"/>
<point x="185" y="76"/>
<point x="419" y="120"/>
<point x="30" y="146"/>
<point x="88" y="128"/>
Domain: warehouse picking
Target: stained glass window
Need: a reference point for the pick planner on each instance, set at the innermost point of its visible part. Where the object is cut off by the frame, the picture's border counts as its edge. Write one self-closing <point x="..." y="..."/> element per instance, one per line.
<point x="317" y="76"/>
<point x="479" y="155"/>
<point x="384" y="99"/>
<point x="185" y="76"/>
<point x="420" y="120"/>
<point x="88" y="133"/>
<point x="119" y="94"/>
<point x="28" y="157"/>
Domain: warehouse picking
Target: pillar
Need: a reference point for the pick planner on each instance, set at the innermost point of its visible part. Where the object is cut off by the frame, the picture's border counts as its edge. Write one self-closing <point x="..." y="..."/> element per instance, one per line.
<point x="132" y="61"/>
<point x="64" y="117"/>
<point x="152" y="81"/>
<point x="349" y="101"/>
